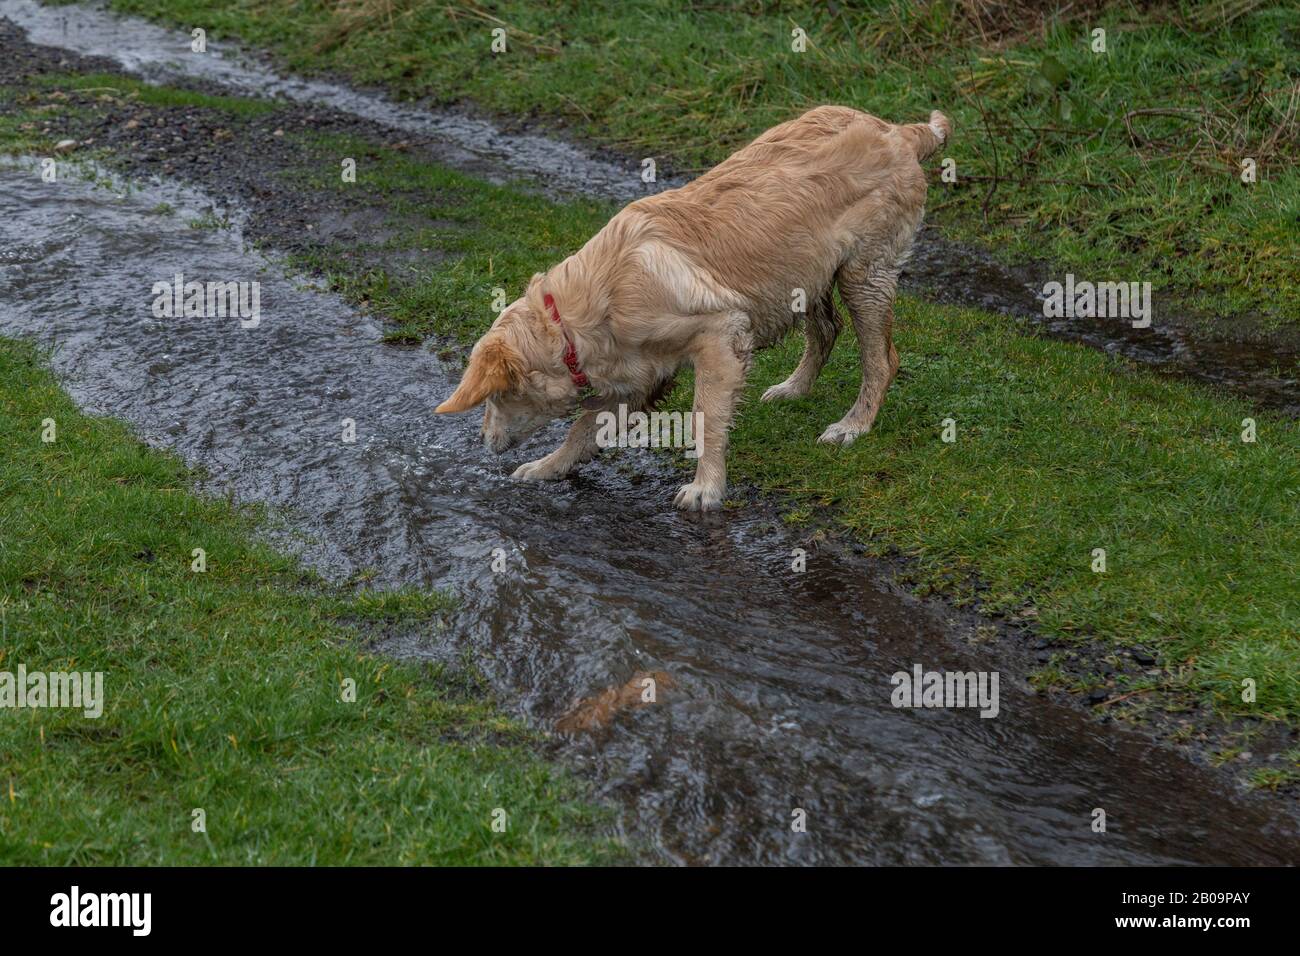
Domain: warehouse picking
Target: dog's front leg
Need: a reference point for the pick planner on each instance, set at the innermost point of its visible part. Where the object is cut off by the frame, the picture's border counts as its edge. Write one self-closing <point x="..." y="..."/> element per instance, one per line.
<point x="721" y="362"/>
<point x="579" y="446"/>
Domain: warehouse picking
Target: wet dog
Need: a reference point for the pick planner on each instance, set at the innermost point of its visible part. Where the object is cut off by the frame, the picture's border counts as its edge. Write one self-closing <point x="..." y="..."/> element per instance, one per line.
<point x="704" y="275"/>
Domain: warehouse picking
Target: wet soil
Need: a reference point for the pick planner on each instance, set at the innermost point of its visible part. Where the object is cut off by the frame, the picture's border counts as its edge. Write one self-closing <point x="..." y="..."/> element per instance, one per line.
<point x="773" y="688"/>
<point x="1254" y="358"/>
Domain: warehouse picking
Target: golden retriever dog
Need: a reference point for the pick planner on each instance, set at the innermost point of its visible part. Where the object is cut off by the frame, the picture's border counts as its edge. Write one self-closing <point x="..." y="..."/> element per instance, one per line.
<point x="704" y="275"/>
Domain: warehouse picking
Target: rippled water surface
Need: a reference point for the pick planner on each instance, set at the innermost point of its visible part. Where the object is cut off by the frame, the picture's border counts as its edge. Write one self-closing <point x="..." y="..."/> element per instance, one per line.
<point x="777" y="692"/>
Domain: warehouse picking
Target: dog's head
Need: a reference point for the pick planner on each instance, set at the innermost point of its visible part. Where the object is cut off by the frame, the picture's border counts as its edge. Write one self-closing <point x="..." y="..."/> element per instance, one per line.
<point x="517" y="372"/>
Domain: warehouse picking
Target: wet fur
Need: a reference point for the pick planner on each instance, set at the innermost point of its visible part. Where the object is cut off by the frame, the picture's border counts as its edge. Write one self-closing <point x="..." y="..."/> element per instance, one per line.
<point x="705" y="275"/>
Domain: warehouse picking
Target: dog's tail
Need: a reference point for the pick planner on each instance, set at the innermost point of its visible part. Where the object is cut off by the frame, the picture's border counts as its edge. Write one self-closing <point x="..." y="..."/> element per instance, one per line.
<point x="928" y="137"/>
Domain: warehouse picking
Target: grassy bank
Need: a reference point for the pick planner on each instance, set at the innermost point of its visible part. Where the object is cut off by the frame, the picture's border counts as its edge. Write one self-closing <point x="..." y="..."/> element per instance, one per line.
<point x="1118" y="165"/>
<point x="224" y="689"/>
<point x="1059" y="450"/>
<point x="118" y="86"/>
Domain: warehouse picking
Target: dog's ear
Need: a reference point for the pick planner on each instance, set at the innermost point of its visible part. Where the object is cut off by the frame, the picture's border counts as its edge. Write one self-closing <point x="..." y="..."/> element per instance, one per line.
<point x="494" y="367"/>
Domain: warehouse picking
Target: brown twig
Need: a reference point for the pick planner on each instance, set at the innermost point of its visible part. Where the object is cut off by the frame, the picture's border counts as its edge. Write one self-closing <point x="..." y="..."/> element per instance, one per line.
<point x="1132" y="693"/>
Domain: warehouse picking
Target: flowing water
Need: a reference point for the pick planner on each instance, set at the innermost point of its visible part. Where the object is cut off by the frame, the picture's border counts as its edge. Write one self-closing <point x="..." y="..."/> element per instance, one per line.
<point x="774" y="687"/>
<point x="951" y="272"/>
<point x="774" y="690"/>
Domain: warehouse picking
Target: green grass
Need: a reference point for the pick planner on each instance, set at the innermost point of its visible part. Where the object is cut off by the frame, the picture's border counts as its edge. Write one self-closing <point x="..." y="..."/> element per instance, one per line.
<point x="24" y="112"/>
<point x="1060" y="449"/>
<point x="43" y="98"/>
<point x="127" y="88"/>
<point x="1277" y="778"/>
<point x="493" y="237"/>
<point x="1057" y="153"/>
<point x="14" y="138"/>
<point x="224" y="688"/>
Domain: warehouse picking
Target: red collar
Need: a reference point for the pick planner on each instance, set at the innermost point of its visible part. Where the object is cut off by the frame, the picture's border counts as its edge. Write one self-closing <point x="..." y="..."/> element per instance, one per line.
<point x="570" y="353"/>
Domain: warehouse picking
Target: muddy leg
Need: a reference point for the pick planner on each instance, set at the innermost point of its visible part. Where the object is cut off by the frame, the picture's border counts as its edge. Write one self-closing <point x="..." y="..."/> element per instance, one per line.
<point x="721" y="361"/>
<point x="579" y="447"/>
<point x="821" y="328"/>
<point x="868" y="292"/>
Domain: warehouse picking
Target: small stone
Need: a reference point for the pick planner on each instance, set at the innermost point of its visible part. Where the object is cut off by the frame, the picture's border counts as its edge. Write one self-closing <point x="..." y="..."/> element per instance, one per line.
<point x="278" y="132"/>
<point x="1143" y="657"/>
<point x="1098" y="696"/>
<point x="1245" y="755"/>
<point x="65" y="145"/>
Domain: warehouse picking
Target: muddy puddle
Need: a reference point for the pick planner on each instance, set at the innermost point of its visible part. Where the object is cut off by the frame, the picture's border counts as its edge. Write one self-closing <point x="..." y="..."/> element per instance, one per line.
<point x="1268" y="374"/>
<point x="771" y="689"/>
<point x="950" y="272"/>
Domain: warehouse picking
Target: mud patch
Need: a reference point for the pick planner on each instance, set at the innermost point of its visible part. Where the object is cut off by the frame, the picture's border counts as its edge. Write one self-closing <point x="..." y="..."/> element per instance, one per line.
<point x="1250" y="359"/>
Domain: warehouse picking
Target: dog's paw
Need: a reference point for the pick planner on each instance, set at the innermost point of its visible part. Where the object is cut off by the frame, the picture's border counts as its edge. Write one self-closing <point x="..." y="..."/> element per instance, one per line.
<point x="841" y="434"/>
<point x="698" y="497"/>
<point x="784" y="390"/>
<point x="539" y="470"/>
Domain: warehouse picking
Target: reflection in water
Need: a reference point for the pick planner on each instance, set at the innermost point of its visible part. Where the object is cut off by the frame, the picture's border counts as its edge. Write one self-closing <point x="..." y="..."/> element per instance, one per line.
<point x="778" y="696"/>
<point x="595" y="713"/>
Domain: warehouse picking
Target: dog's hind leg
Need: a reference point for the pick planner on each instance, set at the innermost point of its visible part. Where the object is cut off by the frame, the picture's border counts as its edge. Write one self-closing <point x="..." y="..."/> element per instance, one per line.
<point x="821" y="328"/>
<point x="867" y="287"/>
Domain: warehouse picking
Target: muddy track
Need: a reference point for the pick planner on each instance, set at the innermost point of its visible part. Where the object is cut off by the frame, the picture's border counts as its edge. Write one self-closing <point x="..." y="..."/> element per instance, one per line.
<point x="1244" y="354"/>
<point x="775" y="694"/>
